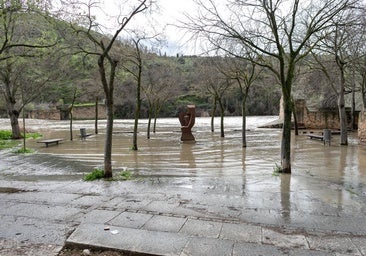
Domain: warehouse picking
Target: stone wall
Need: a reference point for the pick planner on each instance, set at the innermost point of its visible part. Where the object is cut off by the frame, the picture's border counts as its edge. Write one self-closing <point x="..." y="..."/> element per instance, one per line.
<point x="51" y="114"/>
<point x="362" y="128"/>
<point x="321" y="120"/>
<point x="84" y="112"/>
<point x="89" y="112"/>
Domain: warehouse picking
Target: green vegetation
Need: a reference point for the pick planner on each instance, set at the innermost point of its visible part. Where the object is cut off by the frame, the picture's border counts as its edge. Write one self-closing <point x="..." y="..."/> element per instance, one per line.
<point x="5" y="135"/>
<point x="7" y="142"/>
<point x="125" y="175"/>
<point x="96" y="174"/>
<point x="24" y="151"/>
<point x="277" y="169"/>
<point x="33" y="135"/>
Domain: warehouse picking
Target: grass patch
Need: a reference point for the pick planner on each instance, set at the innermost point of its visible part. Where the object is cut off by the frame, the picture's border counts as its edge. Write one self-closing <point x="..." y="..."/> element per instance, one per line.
<point x="6" y="140"/>
<point x="4" y="144"/>
<point x="96" y="174"/>
<point x="125" y="175"/>
<point x="24" y="151"/>
<point x="5" y="135"/>
<point x="33" y="135"/>
<point x="277" y="169"/>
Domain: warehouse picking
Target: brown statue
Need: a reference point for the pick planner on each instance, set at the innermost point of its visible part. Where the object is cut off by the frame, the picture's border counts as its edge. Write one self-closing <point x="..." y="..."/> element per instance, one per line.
<point x="187" y="121"/>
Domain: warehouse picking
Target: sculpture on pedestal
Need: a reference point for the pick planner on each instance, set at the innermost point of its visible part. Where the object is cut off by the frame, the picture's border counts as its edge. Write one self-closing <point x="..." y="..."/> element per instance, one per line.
<point x="187" y="120"/>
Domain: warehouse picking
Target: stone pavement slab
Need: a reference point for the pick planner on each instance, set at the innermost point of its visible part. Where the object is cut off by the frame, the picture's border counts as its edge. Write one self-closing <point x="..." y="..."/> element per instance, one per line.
<point x="128" y="239"/>
<point x="241" y="232"/>
<point x="208" y="247"/>
<point x="165" y="223"/>
<point x="202" y="228"/>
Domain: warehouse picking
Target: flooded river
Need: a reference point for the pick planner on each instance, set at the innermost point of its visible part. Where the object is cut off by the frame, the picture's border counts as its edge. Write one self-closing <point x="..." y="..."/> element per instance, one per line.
<point x="334" y="175"/>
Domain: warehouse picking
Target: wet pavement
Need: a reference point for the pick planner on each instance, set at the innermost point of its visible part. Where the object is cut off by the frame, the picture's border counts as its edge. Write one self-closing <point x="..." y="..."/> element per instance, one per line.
<point x="208" y="198"/>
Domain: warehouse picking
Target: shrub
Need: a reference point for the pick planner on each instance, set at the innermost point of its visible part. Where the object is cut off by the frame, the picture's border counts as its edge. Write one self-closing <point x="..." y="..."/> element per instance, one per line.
<point x="96" y="174"/>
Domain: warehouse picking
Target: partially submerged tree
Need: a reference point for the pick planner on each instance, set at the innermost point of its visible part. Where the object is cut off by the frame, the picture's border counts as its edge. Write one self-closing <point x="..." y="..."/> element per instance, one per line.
<point x="213" y="82"/>
<point x="103" y="47"/>
<point x="245" y="73"/>
<point x="280" y="33"/>
<point x="162" y="84"/>
<point x="135" y="69"/>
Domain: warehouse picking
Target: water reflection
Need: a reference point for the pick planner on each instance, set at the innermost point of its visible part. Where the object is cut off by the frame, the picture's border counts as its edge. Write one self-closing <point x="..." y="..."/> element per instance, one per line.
<point x="285" y="197"/>
<point x="186" y="155"/>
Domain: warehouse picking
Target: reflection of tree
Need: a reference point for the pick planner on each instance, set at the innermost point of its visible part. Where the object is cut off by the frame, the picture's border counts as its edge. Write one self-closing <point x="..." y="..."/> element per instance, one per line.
<point x="243" y="160"/>
<point x="285" y="197"/>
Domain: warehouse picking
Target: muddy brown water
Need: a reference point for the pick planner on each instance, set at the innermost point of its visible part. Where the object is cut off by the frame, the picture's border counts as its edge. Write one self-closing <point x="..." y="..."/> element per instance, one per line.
<point x="336" y="174"/>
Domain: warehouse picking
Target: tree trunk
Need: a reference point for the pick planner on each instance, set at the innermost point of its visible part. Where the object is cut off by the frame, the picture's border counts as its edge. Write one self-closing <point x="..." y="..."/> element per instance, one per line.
<point x="71" y="117"/>
<point x="149" y="114"/>
<point x="149" y="125"/>
<point x="24" y="132"/>
<point x="96" y="115"/>
<point x="286" y="134"/>
<point x="364" y="97"/>
<point x="108" y="87"/>
<point x="244" y="124"/>
<point x="295" y="118"/>
<point x="14" y="116"/>
<point x="222" y="114"/>
<point x="342" y="111"/>
<point x="137" y="116"/>
<point x="353" y="107"/>
<point x="214" y="106"/>
<point x="108" y="140"/>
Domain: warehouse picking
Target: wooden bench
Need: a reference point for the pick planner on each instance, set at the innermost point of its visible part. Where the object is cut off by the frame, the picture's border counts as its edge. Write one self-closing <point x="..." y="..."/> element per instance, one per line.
<point x="314" y="136"/>
<point x="50" y="141"/>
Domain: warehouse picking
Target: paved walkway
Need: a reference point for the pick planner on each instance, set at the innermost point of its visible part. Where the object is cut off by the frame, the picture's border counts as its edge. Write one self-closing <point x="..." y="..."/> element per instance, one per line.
<point x="145" y="216"/>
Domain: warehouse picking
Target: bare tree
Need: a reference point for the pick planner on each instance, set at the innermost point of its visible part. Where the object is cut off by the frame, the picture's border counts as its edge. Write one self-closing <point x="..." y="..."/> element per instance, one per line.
<point x="22" y="35"/>
<point x="339" y="44"/>
<point x="103" y="47"/>
<point x="162" y="84"/>
<point x="136" y="67"/>
<point x="245" y="73"/>
<point x="280" y="33"/>
<point x="213" y="81"/>
<point x="135" y="58"/>
<point x="358" y="50"/>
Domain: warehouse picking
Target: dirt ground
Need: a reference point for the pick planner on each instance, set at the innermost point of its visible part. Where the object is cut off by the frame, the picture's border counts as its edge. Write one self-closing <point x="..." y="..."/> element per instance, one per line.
<point x="81" y="252"/>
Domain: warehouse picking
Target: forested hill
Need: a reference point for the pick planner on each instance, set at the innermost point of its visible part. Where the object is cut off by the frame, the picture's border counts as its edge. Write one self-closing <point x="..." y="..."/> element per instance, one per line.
<point x="61" y="74"/>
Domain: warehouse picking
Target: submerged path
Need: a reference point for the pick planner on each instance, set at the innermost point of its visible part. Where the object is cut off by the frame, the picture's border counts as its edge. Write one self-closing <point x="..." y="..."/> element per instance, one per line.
<point x="227" y="202"/>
